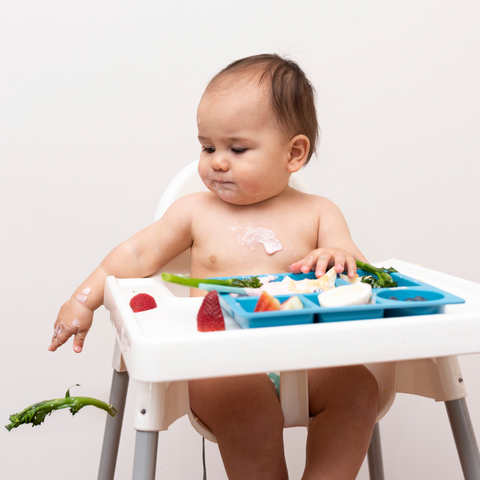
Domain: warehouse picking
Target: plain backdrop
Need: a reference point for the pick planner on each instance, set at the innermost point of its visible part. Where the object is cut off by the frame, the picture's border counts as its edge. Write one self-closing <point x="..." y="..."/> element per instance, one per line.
<point x="97" y="115"/>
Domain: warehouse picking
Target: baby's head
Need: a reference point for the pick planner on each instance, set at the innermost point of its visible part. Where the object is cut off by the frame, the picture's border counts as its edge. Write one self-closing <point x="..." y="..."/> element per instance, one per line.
<point x="290" y="94"/>
<point x="257" y="125"/>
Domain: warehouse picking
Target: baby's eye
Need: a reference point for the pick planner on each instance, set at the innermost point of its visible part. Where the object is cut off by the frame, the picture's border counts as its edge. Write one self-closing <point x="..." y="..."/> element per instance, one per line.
<point x="239" y="150"/>
<point x="208" y="149"/>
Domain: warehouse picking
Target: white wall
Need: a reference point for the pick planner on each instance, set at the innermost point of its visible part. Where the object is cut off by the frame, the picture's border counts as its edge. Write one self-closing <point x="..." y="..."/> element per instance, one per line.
<point x="97" y="114"/>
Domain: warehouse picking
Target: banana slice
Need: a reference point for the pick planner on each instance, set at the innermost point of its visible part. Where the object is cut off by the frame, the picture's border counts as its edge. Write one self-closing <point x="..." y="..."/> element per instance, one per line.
<point x="357" y="294"/>
<point x="353" y="280"/>
<point x="325" y="282"/>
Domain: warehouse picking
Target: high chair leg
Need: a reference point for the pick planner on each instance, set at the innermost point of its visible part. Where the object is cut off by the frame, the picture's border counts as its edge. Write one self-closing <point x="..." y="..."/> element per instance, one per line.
<point x="145" y="460"/>
<point x="375" y="460"/>
<point x="464" y="436"/>
<point x="113" y="427"/>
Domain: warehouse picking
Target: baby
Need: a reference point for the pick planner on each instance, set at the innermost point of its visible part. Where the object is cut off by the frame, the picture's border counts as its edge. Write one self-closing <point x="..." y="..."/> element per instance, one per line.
<point x="256" y="125"/>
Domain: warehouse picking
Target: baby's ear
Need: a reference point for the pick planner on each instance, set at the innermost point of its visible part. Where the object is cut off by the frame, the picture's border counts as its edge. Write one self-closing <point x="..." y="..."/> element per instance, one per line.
<point x="299" y="148"/>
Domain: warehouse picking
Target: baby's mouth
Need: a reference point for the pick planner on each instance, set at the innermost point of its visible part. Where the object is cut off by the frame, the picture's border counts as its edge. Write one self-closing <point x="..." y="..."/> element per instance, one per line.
<point x="222" y="182"/>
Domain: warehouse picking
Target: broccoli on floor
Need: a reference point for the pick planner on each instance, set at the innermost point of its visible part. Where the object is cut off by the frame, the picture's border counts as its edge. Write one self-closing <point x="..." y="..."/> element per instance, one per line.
<point x="35" y="414"/>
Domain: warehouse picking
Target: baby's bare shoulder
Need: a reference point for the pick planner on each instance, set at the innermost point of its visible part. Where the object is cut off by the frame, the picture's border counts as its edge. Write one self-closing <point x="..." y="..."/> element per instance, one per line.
<point x="187" y="210"/>
<point x="194" y="201"/>
<point x="202" y="198"/>
<point x="311" y="200"/>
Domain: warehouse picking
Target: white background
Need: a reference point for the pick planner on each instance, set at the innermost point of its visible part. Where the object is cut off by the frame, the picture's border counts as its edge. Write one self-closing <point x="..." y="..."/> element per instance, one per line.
<point x="97" y="114"/>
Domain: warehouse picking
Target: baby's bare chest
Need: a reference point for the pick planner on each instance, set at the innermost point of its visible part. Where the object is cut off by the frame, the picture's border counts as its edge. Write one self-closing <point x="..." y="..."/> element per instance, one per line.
<point x="249" y="243"/>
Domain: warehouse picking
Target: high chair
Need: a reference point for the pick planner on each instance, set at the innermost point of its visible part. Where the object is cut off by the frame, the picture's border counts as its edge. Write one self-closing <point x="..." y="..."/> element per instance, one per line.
<point x="399" y="365"/>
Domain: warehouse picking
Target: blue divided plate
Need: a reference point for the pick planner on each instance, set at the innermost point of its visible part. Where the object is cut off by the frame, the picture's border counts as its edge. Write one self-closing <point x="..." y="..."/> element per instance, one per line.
<point x="241" y="308"/>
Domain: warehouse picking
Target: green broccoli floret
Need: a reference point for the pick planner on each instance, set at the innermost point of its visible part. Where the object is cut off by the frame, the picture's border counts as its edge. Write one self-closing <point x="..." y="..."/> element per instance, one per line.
<point x="35" y="414"/>
<point x="383" y="278"/>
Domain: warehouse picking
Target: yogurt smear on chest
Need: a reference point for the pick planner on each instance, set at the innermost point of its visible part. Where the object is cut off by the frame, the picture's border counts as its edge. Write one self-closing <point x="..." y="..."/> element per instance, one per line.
<point x="261" y="235"/>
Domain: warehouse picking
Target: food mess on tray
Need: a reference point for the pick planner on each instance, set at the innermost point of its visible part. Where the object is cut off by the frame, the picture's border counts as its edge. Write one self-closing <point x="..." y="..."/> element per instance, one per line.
<point x="344" y="296"/>
<point x="268" y="303"/>
<point x="288" y="285"/>
<point x="418" y="298"/>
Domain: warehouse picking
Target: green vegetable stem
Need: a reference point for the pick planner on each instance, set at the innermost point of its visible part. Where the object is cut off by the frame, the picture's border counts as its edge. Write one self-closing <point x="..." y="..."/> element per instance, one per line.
<point x="35" y="414"/>
<point x="250" y="282"/>
<point x="383" y="278"/>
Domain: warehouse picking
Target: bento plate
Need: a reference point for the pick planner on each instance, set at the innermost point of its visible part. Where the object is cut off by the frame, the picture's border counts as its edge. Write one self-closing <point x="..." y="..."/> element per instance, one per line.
<point x="241" y="308"/>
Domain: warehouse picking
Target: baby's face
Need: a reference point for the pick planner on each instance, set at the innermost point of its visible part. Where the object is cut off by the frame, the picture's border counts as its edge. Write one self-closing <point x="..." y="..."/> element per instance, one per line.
<point x="244" y="155"/>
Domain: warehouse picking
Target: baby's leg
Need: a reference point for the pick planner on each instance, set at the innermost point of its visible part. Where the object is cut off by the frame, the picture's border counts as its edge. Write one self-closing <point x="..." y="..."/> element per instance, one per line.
<point x="245" y="415"/>
<point x="344" y="404"/>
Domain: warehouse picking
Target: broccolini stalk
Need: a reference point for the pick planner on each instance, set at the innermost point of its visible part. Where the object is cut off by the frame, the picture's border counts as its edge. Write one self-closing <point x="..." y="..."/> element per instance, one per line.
<point x="35" y="414"/>
<point x="251" y="282"/>
<point x="383" y="280"/>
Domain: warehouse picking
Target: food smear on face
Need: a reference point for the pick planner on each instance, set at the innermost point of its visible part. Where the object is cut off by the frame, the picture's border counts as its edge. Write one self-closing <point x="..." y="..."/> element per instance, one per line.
<point x="254" y="236"/>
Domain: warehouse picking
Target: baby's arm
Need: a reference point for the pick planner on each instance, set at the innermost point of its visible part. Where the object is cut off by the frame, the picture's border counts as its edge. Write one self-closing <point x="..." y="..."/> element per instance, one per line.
<point x="335" y="247"/>
<point x="140" y="256"/>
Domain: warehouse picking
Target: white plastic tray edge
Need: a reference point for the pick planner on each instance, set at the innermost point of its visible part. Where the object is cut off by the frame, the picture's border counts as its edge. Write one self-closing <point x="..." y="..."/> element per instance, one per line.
<point x="295" y="347"/>
<point x="440" y="280"/>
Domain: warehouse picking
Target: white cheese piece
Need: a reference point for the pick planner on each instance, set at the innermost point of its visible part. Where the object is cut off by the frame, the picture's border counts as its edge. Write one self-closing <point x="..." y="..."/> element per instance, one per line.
<point x="357" y="294"/>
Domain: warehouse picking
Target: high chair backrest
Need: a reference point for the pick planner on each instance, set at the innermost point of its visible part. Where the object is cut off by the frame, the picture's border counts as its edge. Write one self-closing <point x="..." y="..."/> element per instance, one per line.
<point x="185" y="182"/>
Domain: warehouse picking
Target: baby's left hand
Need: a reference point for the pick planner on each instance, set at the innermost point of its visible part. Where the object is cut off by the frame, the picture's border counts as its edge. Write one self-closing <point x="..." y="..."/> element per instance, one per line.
<point x="322" y="258"/>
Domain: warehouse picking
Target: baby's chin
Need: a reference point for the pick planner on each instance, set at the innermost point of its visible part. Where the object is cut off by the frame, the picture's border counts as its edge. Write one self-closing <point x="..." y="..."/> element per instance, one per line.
<point x="233" y="198"/>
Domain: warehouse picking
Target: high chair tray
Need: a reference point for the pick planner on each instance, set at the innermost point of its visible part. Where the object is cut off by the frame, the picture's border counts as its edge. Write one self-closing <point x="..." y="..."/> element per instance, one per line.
<point x="385" y="302"/>
<point x="164" y="345"/>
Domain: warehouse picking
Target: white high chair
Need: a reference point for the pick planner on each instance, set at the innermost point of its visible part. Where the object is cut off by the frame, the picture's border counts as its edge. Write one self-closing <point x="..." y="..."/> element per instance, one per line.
<point x="436" y="378"/>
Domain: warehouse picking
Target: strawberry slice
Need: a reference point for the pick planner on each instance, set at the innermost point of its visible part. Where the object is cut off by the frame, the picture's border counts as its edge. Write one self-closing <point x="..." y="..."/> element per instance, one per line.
<point x="267" y="303"/>
<point x="210" y="316"/>
<point x="142" y="302"/>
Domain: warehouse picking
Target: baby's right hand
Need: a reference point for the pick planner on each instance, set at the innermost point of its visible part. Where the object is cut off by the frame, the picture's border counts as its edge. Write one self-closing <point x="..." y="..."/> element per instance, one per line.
<point x="73" y="319"/>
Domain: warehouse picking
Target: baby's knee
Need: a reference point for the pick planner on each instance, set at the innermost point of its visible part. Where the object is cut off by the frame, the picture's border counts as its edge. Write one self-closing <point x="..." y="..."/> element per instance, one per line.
<point x="352" y="388"/>
<point x="238" y="408"/>
<point x="366" y="390"/>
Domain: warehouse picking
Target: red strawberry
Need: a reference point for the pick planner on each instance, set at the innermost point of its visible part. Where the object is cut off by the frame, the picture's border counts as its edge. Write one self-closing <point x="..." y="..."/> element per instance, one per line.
<point x="142" y="302"/>
<point x="210" y="316"/>
<point x="266" y="303"/>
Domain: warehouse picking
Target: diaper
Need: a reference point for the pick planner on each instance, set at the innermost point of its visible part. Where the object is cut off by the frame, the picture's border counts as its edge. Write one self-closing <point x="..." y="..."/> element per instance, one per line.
<point x="275" y="378"/>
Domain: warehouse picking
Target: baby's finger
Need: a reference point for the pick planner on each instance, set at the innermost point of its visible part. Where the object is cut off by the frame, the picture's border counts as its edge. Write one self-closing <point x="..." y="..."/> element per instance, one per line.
<point x="79" y="340"/>
<point x="340" y="260"/>
<point x="308" y="263"/>
<point x="54" y="345"/>
<point x="296" y="267"/>
<point x="60" y="336"/>
<point x="352" y="267"/>
<point x="322" y="264"/>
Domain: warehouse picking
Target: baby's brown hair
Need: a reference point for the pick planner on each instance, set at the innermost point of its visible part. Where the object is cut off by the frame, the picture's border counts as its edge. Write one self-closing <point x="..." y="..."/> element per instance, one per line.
<point x="292" y="94"/>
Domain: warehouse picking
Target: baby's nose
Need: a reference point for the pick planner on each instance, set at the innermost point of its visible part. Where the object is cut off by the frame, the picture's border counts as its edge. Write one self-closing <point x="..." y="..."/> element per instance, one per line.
<point x="220" y="162"/>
